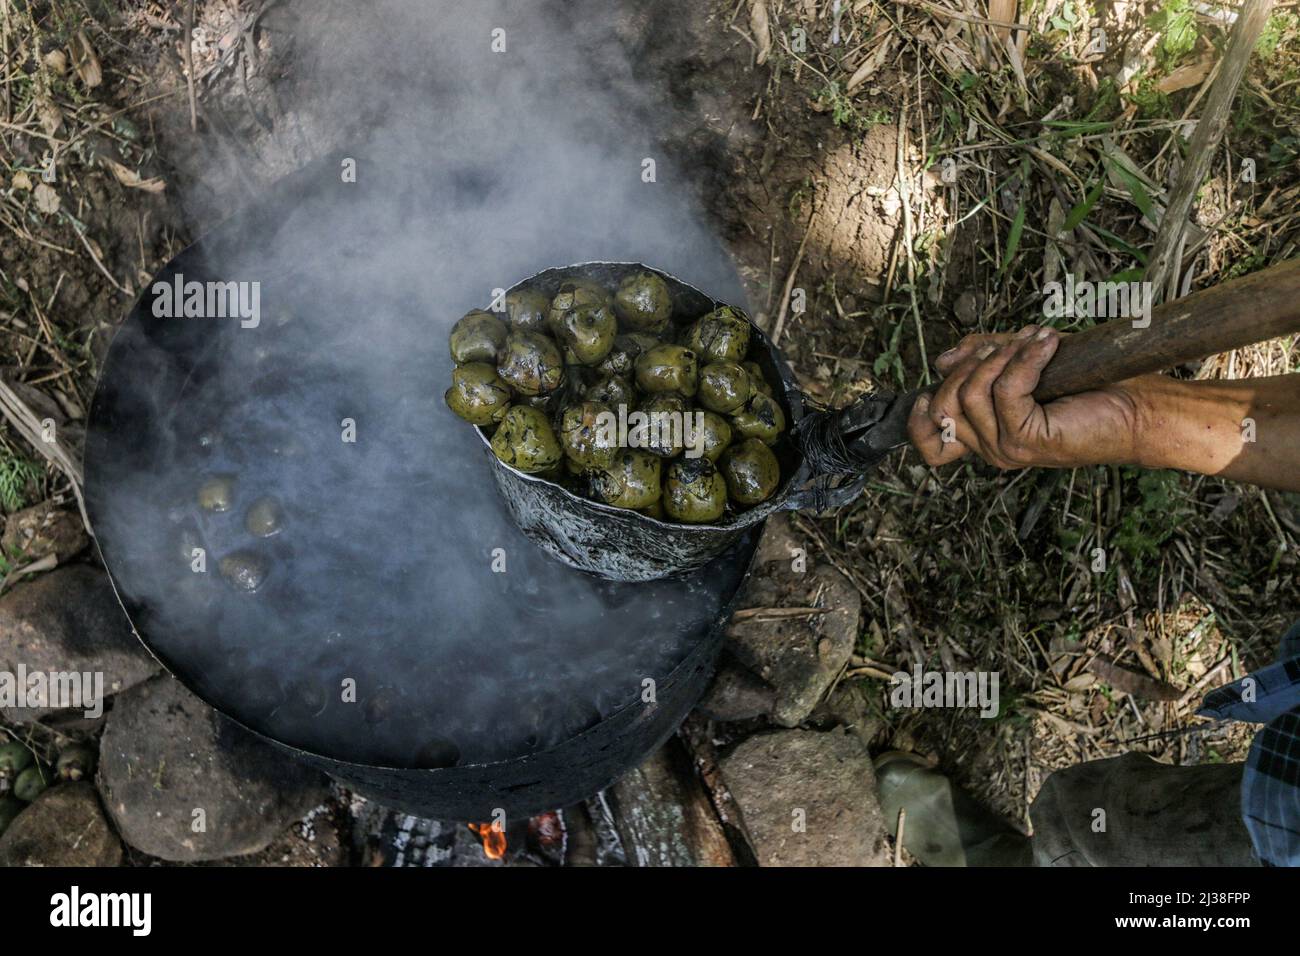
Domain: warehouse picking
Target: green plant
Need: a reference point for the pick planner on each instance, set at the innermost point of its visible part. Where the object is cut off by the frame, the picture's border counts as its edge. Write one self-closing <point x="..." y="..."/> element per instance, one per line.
<point x="890" y="360"/>
<point x="1281" y="25"/>
<point x="1147" y="522"/>
<point x="16" y="474"/>
<point x="845" y="114"/>
<point x="1176" y="23"/>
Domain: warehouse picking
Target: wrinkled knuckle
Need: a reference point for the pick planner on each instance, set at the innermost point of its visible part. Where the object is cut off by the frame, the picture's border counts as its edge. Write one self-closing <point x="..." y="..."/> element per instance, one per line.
<point x="1006" y="387"/>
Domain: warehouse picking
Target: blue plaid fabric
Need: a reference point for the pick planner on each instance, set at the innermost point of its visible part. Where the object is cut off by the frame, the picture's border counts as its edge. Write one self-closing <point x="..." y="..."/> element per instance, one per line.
<point x="1270" y="785"/>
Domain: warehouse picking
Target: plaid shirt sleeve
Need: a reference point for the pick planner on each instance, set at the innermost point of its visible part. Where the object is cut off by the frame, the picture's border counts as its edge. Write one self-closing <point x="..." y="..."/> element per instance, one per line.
<point x="1270" y="784"/>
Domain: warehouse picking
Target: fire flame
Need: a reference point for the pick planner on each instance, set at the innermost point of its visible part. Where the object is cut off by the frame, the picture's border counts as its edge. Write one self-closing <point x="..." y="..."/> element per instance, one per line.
<point x="493" y="837"/>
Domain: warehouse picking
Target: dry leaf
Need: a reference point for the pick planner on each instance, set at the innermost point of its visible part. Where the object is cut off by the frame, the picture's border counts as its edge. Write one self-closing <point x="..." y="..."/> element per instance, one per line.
<point x="1080" y="682"/>
<point x="133" y="180"/>
<point x="22" y="180"/>
<point x="761" y="28"/>
<point x="49" y="114"/>
<point x="1190" y="74"/>
<point x="47" y="200"/>
<point x="1131" y="682"/>
<point x="56" y="62"/>
<point x="869" y="64"/>
<point x="84" y="60"/>
<point x="1004" y="11"/>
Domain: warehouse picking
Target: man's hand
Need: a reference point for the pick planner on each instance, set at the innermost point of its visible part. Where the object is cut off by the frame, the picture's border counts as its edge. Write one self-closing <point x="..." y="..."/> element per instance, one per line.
<point x="1247" y="430"/>
<point x="985" y="405"/>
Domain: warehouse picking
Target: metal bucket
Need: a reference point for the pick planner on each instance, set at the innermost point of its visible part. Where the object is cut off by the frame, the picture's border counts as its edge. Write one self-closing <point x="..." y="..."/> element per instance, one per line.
<point x="624" y="545"/>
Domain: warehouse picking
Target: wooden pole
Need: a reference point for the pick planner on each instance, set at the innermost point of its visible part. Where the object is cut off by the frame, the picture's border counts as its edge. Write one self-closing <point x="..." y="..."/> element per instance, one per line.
<point x="1163" y="267"/>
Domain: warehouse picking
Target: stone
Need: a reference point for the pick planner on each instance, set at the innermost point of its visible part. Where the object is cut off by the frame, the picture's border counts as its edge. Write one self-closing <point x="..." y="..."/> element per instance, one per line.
<point x="64" y="826"/>
<point x="779" y="543"/>
<point x="183" y="783"/>
<point x="967" y="308"/>
<point x="69" y="620"/>
<point x="737" y="694"/>
<point x="807" y="798"/>
<point x="43" y="530"/>
<point x="799" y="656"/>
<point x="313" y="841"/>
<point x="850" y="705"/>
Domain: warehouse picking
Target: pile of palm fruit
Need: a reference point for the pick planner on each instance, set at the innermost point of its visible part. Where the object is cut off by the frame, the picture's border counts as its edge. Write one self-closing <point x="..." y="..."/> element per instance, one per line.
<point x="547" y="379"/>
<point x="24" y="776"/>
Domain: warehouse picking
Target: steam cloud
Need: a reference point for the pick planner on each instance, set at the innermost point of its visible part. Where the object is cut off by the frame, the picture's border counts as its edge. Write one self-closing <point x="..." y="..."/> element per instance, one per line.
<point x="475" y="169"/>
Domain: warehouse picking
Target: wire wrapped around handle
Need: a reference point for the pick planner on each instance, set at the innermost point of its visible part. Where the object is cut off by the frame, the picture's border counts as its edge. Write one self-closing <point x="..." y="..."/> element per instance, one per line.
<point x="839" y="447"/>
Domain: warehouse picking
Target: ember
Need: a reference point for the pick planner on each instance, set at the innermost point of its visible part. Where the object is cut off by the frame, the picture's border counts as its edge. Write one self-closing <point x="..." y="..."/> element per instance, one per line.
<point x="547" y="830"/>
<point x="493" y="837"/>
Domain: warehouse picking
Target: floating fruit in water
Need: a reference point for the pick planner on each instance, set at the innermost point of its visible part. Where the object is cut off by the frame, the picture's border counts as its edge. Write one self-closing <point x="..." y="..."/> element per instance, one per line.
<point x="217" y="493"/>
<point x="264" y="518"/>
<point x="246" y="570"/>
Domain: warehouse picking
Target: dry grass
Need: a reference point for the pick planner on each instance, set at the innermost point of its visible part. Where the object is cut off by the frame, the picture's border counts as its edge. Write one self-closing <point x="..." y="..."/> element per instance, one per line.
<point x="1060" y="168"/>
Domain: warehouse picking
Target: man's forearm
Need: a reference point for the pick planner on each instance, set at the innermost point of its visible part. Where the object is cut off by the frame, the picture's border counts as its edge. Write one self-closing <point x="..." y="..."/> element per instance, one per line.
<point x="1247" y="430"/>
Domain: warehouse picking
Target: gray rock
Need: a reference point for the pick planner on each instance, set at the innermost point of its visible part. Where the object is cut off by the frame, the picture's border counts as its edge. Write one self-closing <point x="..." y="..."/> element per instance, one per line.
<point x="799" y="656"/>
<point x="967" y="308"/>
<point x="807" y="798"/>
<point x="737" y="694"/>
<point x="314" y="841"/>
<point x="779" y="543"/>
<point x="69" y="620"/>
<point x="165" y="756"/>
<point x="42" y="530"/>
<point x="64" y="826"/>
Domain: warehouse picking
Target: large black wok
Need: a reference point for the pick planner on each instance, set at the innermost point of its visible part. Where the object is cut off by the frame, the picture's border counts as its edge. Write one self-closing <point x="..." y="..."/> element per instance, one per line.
<point x="487" y="676"/>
